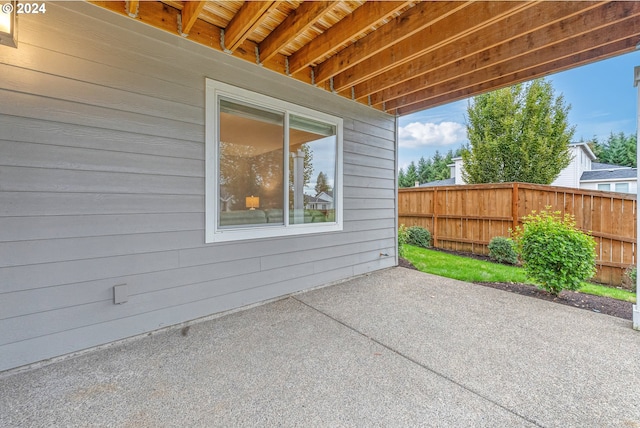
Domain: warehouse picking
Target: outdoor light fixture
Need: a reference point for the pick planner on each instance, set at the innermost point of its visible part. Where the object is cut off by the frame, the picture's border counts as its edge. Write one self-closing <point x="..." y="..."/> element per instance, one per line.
<point x="8" y="24"/>
<point x="252" y="202"/>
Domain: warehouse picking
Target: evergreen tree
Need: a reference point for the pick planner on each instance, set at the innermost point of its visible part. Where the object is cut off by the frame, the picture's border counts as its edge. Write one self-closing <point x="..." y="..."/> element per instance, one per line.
<point x="520" y="133"/>
<point x="411" y="176"/>
<point x="401" y="178"/>
<point x="322" y="184"/>
<point x="619" y="149"/>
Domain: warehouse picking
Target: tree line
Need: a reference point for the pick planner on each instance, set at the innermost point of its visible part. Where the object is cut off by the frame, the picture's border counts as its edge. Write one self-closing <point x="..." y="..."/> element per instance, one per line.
<point x="520" y="133"/>
<point x="428" y="170"/>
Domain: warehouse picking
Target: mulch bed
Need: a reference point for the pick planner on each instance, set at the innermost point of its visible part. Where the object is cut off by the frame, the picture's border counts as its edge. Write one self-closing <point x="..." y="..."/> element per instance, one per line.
<point x="604" y="305"/>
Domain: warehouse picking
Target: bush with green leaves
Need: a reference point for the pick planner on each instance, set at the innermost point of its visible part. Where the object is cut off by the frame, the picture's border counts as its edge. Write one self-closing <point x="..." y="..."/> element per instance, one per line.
<point x="418" y="236"/>
<point x="503" y="250"/>
<point x="555" y="254"/>
<point x="631" y="278"/>
<point x="402" y="239"/>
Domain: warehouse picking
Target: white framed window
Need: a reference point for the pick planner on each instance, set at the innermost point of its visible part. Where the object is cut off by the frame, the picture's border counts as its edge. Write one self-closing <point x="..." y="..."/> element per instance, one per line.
<point x="273" y="168"/>
<point x="604" y="186"/>
<point x="622" y="187"/>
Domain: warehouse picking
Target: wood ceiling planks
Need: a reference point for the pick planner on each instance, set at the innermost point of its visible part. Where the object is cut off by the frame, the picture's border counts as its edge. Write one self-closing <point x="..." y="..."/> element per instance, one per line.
<point x="402" y="56"/>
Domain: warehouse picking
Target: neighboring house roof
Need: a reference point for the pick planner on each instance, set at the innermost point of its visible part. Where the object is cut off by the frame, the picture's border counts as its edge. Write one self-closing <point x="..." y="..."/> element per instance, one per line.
<point x="316" y="199"/>
<point x="586" y="149"/>
<point x="598" y="165"/>
<point x="610" y="174"/>
<point x="445" y="182"/>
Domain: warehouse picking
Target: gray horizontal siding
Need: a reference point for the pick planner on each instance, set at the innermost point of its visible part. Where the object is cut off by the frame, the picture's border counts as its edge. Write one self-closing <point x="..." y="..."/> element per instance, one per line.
<point x="102" y="183"/>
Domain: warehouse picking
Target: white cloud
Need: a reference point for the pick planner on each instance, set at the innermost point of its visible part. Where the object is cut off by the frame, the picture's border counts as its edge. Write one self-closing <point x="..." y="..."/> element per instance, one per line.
<point x="419" y="134"/>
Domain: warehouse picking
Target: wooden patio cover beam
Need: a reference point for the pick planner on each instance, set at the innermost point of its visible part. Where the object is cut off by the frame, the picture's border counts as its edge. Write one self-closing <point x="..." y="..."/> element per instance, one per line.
<point x="307" y="14"/>
<point x="249" y="17"/>
<point x="409" y="23"/>
<point x="366" y="16"/>
<point x="468" y="86"/>
<point x="582" y="39"/>
<point x="190" y="13"/>
<point x="403" y="80"/>
<point x="440" y="33"/>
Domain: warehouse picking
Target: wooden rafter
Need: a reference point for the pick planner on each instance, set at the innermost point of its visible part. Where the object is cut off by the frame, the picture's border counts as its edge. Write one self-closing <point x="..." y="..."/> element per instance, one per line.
<point x="409" y="23"/>
<point x="588" y="46"/>
<point x="249" y="17"/>
<point x="576" y="60"/>
<point x="402" y="56"/>
<point x="190" y="13"/>
<point x="464" y="21"/>
<point x="307" y="14"/>
<point x="366" y="16"/>
<point x="403" y="80"/>
<point x="500" y="60"/>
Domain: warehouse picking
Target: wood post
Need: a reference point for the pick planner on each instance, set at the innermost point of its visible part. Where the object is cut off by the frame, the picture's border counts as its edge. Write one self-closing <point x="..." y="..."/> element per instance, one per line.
<point x="434" y="234"/>
<point x="514" y="206"/>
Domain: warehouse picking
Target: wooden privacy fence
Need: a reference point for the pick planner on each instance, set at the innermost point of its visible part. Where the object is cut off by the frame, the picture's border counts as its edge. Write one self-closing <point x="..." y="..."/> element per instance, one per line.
<point x="466" y="217"/>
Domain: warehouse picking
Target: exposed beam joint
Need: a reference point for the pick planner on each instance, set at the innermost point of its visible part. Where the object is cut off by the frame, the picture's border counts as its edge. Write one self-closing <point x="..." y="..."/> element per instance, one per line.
<point x="190" y="13"/>
<point x="458" y="25"/>
<point x="250" y="16"/>
<point x="402" y="27"/>
<point x="366" y="16"/>
<point x="132" y="7"/>
<point x="462" y="91"/>
<point x="307" y="14"/>
<point x="394" y="83"/>
<point x="595" y="29"/>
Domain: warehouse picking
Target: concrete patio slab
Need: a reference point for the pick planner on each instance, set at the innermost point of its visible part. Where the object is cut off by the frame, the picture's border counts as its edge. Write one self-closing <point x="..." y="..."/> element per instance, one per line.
<point x="393" y="348"/>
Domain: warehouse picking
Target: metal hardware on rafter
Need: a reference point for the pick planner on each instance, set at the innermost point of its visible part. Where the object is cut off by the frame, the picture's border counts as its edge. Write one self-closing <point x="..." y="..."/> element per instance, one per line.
<point x="224" y="48"/>
<point x="286" y="66"/>
<point x="180" y="26"/>
<point x="313" y="76"/>
<point x="258" y="56"/>
<point x="369" y="100"/>
<point x="353" y="93"/>
<point x="126" y="9"/>
<point x="331" y="85"/>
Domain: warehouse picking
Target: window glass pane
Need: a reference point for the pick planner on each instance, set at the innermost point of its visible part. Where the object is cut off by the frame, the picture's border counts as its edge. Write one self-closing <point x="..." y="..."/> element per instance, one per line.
<point x="251" y="170"/>
<point x="622" y="187"/>
<point x="606" y="186"/>
<point x="312" y="171"/>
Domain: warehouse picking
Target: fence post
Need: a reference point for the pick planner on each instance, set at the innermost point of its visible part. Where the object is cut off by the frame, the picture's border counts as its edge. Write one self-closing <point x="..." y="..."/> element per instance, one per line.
<point x="514" y="205"/>
<point x="434" y="233"/>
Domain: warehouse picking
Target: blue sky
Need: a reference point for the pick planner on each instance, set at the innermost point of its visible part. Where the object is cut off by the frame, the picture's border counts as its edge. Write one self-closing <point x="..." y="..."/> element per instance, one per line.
<point x="602" y="98"/>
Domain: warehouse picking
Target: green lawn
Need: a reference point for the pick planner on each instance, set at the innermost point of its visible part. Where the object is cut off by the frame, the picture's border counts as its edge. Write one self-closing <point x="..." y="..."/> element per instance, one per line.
<point x="472" y="270"/>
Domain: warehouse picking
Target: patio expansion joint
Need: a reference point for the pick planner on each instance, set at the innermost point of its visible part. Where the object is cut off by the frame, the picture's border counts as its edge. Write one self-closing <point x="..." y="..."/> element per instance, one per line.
<point x="418" y="363"/>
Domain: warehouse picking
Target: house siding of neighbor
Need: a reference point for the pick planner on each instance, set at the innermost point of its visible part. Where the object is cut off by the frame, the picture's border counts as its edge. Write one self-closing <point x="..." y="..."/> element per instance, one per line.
<point x="102" y="184"/>
<point x="581" y="173"/>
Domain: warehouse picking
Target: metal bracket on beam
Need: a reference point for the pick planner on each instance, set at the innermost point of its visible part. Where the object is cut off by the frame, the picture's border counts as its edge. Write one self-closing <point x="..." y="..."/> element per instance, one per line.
<point x="180" y="26"/>
<point x="126" y="9"/>
<point x="313" y="76"/>
<point x="222" y="46"/>
<point x="369" y="100"/>
<point x="286" y="66"/>
<point x="331" y="85"/>
<point x="353" y="93"/>
<point x="258" y="56"/>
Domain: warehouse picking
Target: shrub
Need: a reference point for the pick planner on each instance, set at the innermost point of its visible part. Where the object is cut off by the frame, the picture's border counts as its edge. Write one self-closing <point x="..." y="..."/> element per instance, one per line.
<point x="503" y="250"/>
<point x="418" y="236"/>
<point x="555" y="254"/>
<point x="402" y="239"/>
<point x="630" y="278"/>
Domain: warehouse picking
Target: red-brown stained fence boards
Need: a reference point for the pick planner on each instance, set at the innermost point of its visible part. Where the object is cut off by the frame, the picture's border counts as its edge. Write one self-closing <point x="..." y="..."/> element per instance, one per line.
<point x="467" y="217"/>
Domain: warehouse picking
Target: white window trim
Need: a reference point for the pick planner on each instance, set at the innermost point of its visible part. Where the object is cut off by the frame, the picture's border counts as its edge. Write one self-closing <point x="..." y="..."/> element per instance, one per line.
<point x="213" y="233"/>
